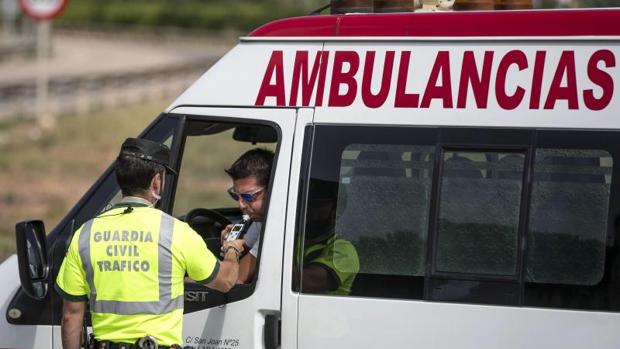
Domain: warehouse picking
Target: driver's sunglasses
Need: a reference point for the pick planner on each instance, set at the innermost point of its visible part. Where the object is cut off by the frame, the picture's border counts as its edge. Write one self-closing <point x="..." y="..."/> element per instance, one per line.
<point x="247" y="197"/>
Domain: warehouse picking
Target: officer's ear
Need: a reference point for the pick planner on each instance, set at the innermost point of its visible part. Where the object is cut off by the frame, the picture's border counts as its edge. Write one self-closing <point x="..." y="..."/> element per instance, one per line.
<point x="157" y="182"/>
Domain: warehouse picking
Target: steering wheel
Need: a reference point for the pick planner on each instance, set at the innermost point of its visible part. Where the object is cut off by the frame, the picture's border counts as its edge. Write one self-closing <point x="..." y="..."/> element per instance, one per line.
<point x="209" y="224"/>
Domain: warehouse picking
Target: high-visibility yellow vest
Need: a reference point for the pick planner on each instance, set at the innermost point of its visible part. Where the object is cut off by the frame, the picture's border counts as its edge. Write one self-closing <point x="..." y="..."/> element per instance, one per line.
<point x="130" y="265"/>
<point x="337" y="255"/>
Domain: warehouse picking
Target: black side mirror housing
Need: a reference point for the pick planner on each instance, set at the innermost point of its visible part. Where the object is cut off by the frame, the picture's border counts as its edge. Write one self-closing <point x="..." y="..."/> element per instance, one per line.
<point x="32" y="258"/>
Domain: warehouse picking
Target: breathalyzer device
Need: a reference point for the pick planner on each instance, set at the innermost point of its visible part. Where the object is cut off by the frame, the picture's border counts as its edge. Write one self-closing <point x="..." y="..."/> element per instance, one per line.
<point x="238" y="230"/>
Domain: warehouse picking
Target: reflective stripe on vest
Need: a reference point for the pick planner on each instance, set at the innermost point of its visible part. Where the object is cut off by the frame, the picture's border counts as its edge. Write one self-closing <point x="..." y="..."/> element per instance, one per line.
<point x="165" y="303"/>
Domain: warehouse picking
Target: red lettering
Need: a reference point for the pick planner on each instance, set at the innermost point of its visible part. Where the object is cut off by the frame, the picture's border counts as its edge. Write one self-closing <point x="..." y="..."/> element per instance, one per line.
<point x="376" y="100"/>
<point x="347" y="78"/>
<point x="503" y="99"/>
<point x="276" y="90"/>
<point x="539" y="68"/>
<point x="300" y="73"/>
<point x="307" y="80"/>
<point x="566" y="67"/>
<point x="403" y="99"/>
<point x="443" y="91"/>
<point x="479" y="85"/>
<point x="322" y="75"/>
<point x="600" y="78"/>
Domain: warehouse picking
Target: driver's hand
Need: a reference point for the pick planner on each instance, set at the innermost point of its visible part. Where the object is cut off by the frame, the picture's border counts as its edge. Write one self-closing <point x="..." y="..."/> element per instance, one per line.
<point x="237" y="244"/>
<point x="224" y="233"/>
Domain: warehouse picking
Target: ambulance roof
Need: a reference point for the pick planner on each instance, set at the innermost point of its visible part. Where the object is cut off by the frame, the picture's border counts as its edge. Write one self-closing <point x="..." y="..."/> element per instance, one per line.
<point x="582" y="22"/>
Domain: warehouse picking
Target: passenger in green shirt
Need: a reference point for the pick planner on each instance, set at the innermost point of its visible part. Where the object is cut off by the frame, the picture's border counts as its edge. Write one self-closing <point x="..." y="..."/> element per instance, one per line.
<point x="330" y="263"/>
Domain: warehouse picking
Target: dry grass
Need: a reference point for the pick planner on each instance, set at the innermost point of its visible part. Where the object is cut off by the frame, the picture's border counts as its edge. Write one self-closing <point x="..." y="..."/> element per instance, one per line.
<point x="44" y="173"/>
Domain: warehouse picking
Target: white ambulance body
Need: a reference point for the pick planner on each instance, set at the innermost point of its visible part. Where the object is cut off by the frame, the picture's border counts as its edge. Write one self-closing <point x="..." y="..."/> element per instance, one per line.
<point x="476" y="158"/>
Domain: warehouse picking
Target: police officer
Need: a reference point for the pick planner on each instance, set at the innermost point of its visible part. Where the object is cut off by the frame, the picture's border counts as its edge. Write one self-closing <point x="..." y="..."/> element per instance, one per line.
<point x="129" y="262"/>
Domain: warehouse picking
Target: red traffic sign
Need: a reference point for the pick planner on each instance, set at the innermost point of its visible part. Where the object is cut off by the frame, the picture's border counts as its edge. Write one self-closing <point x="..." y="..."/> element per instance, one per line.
<point x="43" y="9"/>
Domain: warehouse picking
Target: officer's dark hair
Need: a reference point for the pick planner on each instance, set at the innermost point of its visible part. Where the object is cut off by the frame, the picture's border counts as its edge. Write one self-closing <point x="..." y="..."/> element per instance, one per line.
<point x="256" y="162"/>
<point x="134" y="175"/>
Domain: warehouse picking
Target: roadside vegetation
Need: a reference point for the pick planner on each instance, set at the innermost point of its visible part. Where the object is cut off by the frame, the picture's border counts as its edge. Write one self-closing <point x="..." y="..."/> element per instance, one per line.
<point x="237" y="15"/>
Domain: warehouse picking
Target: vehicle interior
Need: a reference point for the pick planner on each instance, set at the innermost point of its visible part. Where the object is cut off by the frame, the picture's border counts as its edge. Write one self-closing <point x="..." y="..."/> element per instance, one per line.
<point x="201" y="197"/>
<point x="210" y="216"/>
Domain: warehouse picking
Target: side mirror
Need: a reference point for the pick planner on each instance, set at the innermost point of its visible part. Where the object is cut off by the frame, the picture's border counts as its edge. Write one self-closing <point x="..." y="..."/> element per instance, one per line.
<point x="32" y="258"/>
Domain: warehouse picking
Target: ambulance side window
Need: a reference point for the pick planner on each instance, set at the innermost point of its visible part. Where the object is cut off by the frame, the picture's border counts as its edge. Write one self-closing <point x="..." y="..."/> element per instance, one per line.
<point x="380" y="180"/>
<point x="480" y="216"/>
<point x="383" y="203"/>
<point x="567" y="230"/>
<point x="479" y="208"/>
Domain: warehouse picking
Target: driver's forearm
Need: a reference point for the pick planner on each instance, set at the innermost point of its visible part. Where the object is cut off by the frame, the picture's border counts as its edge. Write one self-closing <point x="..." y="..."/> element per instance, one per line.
<point x="247" y="268"/>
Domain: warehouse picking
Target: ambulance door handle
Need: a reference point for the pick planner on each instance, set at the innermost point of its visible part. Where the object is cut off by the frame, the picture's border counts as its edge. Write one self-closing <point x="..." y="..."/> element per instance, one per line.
<point x="271" y="331"/>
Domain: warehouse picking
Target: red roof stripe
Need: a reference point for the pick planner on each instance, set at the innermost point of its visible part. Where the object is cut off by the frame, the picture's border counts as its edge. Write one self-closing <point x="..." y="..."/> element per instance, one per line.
<point x="593" y="22"/>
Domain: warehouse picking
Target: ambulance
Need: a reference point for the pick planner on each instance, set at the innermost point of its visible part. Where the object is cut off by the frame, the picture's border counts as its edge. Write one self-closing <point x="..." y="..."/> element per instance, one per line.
<point x="473" y="159"/>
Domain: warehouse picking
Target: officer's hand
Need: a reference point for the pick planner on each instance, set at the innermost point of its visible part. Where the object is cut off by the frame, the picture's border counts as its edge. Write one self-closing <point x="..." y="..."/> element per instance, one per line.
<point x="224" y="233"/>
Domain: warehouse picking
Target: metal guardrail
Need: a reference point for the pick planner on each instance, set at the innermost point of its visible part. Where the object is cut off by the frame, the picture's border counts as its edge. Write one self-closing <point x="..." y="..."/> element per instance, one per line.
<point x="68" y="95"/>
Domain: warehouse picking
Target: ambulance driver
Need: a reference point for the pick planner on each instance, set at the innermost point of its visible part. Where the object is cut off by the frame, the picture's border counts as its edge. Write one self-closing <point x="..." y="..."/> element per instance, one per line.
<point x="250" y="176"/>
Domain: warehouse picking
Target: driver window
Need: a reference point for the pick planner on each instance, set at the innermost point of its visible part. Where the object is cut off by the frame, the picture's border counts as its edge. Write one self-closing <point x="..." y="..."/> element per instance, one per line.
<point x="202" y="198"/>
<point x="202" y="180"/>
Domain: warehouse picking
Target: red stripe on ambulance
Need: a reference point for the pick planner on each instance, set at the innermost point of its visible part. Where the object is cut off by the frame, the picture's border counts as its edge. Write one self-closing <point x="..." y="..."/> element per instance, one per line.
<point x="310" y="75"/>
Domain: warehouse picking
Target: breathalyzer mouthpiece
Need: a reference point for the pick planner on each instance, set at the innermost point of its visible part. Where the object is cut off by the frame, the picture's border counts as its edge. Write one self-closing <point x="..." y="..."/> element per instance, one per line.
<point x="238" y="230"/>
